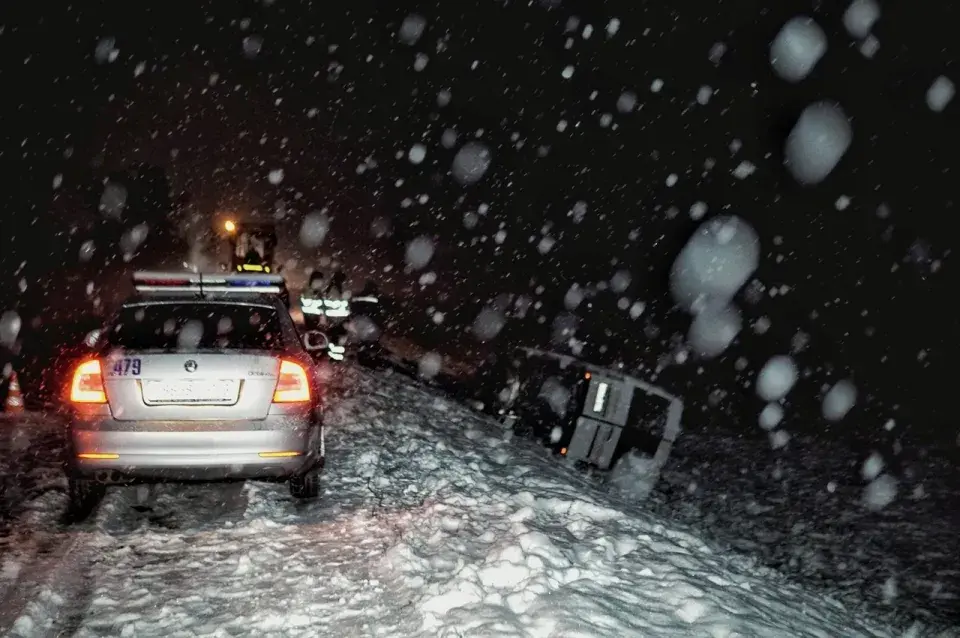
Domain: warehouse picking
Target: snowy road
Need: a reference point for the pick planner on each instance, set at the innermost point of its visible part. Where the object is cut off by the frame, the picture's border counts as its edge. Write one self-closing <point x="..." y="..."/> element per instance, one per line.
<point x="432" y="523"/>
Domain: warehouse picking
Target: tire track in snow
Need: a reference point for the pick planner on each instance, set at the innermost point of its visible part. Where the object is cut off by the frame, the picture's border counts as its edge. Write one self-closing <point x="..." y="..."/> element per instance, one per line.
<point x="57" y="583"/>
<point x="53" y="585"/>
<point x="160" y="508"/>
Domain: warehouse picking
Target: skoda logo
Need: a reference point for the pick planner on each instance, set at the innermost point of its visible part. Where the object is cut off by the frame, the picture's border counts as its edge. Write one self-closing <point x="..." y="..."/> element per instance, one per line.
<point x="190" y="366"/>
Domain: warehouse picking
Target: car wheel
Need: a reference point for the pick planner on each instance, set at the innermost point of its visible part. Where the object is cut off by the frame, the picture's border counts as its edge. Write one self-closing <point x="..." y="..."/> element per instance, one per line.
<point x="306" y="485"/>
<point x="84" y="494"/>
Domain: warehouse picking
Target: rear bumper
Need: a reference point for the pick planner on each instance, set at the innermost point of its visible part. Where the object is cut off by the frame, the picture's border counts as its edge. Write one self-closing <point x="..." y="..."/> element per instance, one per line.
<point x="276" y="447"/>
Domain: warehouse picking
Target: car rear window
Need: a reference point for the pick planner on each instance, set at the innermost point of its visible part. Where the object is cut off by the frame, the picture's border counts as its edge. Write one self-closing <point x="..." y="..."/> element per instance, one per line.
<point x="196" y="326"/>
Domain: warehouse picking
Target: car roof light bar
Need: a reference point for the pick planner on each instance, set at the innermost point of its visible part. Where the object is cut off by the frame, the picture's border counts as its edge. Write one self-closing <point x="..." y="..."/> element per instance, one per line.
<point x="173" y="282"/>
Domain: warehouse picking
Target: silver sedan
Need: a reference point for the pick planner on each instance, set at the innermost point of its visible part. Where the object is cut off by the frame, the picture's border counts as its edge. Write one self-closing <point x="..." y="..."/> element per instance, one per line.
<point x="191" y="383"/>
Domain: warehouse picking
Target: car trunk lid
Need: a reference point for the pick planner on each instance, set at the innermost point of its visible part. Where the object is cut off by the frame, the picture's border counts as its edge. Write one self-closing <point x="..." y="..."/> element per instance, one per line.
<point x="188" y="386"/>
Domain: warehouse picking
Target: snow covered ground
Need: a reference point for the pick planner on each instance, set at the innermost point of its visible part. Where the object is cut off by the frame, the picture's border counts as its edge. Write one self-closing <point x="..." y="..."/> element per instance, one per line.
<point x="30" y="447"/>
<point x="801" y="510"/>
<point x="433" y="523"/>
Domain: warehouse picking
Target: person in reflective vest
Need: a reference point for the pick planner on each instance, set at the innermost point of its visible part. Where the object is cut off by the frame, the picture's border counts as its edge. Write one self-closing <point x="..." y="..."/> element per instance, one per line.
<point x="253" y="262"/>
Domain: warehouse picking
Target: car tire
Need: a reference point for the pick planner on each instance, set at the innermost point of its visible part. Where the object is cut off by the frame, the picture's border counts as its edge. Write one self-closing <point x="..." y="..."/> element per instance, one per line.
<point x="84" y="495"/>
<point x="306" y="485"/>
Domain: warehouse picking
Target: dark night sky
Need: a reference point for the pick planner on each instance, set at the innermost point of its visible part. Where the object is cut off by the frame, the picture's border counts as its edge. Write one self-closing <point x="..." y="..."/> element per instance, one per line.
<point x="846" y="269"/>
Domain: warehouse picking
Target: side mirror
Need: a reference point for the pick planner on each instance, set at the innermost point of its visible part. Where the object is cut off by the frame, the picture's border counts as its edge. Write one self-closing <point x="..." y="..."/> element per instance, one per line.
<point x="92" y="338"/>
<point x="315" y="340"/>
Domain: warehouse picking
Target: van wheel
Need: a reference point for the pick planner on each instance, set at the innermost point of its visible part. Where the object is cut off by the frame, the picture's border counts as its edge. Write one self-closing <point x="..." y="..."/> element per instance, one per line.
<point x="84" y="495"/>
<point x="306" y="485"/>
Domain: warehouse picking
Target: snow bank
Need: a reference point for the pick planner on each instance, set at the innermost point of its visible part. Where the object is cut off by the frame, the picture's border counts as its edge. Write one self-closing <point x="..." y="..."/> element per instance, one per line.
<point x="513" y="546"/>
<point x="433" y="522"/>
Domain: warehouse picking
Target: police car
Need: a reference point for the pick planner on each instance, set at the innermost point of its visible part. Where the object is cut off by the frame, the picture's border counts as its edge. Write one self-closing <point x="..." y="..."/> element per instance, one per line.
<point x="196" y="377"/>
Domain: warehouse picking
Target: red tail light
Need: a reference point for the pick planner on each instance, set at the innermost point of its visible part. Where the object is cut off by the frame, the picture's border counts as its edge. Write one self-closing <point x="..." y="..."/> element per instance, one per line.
<point x="292" y="384"/>
<point x="87" y="385"/>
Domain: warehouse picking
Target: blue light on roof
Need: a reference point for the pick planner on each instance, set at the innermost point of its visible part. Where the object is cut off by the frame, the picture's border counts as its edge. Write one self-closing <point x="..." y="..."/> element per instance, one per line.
<point x="251" y="283"/>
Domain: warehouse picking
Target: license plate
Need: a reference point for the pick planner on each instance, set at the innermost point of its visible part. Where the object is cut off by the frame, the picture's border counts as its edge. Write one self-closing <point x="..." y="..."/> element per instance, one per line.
<point x="216" y="391"/>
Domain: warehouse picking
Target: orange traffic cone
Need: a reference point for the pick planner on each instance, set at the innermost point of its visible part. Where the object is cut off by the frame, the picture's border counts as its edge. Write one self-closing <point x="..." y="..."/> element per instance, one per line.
<point x="14" y="402"/>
